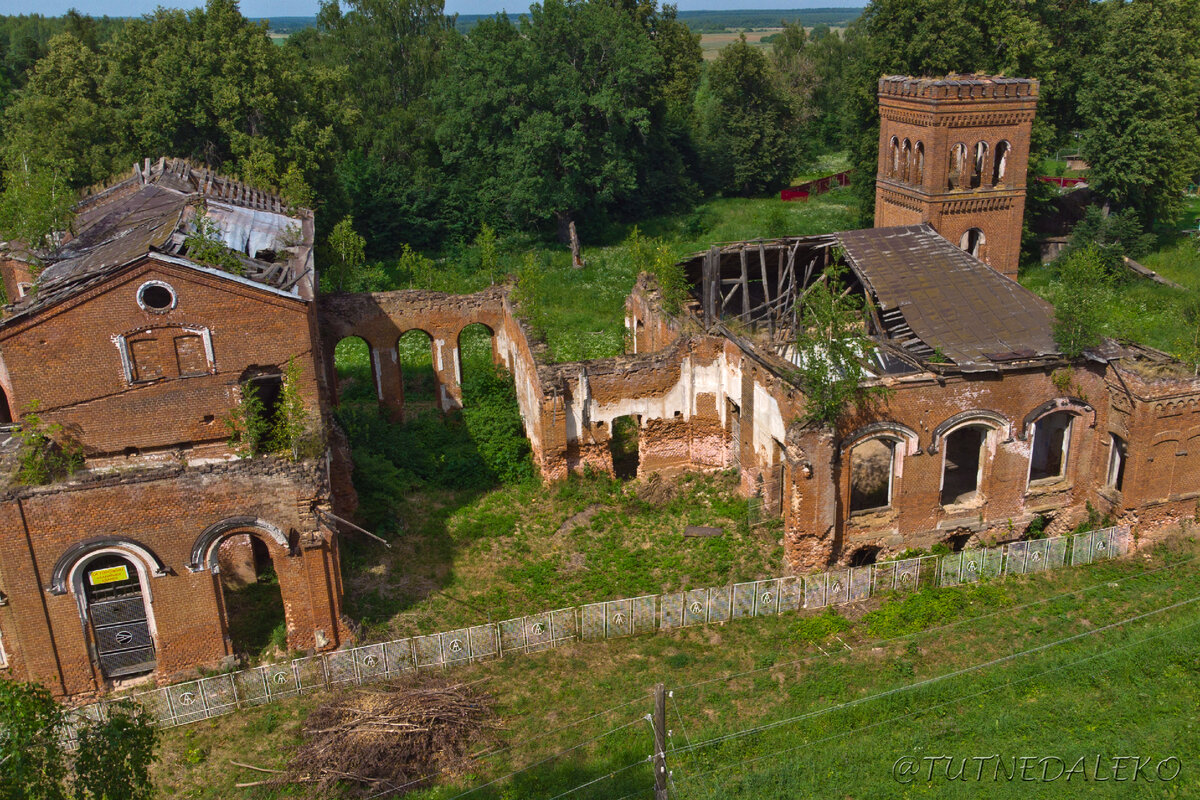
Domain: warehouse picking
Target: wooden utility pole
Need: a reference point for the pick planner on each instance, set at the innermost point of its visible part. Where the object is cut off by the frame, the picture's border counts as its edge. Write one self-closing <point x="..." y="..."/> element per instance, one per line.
<point x="660" y="742"/>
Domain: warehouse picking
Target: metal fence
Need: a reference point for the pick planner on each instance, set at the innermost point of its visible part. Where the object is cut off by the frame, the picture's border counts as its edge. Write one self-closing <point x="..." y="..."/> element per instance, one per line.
<point x="216" y="695"/>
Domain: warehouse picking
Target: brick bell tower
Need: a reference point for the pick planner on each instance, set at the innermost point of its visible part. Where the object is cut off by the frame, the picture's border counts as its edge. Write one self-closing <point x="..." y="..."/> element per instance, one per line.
<point x="954" y="152"/>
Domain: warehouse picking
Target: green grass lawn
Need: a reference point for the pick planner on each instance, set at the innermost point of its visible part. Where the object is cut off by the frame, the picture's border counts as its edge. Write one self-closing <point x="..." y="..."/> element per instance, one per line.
<point x="1043" y="665"/>
<point x="1138" y="309"/>
<point x="469" y="556"/>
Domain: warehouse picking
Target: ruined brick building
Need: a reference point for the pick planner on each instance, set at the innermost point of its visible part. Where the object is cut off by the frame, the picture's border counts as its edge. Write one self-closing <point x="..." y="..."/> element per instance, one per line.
<point x="140" y="353"/>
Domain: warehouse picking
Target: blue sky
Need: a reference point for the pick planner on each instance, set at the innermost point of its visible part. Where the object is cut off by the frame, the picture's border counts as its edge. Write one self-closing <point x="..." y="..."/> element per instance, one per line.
<point x="304" y="8"/>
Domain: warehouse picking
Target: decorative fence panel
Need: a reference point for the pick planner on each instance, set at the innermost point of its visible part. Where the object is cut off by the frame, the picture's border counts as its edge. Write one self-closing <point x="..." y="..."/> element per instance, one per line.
<point x="215" y="695"/>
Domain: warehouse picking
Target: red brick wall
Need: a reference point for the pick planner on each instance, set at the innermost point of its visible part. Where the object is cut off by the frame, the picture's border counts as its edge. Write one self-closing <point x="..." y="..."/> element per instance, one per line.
<point x="164" y="510"/>
<point x="941" y="117"/>
<point x="66" y="357"/>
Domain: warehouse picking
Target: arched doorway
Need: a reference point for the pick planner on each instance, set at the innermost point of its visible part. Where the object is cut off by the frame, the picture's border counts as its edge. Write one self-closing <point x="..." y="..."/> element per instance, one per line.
<point x="6" y="415"/>
<point x="475" y="352"/>
<point x="109" y="586"/>
<point x="973" y="241"/>
<point x="624" y="446"/>
<point x="415" y="349"/>
<point x="355" y="372"/>
<point x="244" y="556"/>
<point x="254" y="612"/>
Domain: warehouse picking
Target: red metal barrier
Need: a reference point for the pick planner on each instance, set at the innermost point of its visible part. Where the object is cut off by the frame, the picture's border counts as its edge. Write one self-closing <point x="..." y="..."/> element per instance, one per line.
<point x="1062" y="182"/>
<point x="819" y="186"/>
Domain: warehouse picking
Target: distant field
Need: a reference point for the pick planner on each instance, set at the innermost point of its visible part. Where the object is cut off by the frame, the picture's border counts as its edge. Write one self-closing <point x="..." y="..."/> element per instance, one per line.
<point x="711" y="43"/>
<point x="706" y="22"/>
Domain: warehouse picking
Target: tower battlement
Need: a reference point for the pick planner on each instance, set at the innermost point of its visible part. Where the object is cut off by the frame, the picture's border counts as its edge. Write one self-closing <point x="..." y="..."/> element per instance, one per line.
<point x="954" y="152"/>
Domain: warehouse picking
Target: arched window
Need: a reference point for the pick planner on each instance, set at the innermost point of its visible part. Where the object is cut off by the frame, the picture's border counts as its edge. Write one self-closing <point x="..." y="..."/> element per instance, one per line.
<point x="955" y="176"/>
<point x="417" y="373"/>
<point x="1051" y="447"/>
<point x="918" y="175"/>
<point x="907" y="157"/>
<point x="1000" y="168"/>
<point x="872" y="465"/>
<point x="1116" y="462"/>
<point x="979" y="166"/>
<point x="962" y="464"/>
<point x="973" y="241"/>
<point x="172" y="351"/>
<point x="894" y="158"/>
<point x="357" y="381"/>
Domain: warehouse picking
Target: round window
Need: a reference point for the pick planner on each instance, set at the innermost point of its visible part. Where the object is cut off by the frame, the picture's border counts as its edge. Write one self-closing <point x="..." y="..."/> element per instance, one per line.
<point x="156" y="296"/>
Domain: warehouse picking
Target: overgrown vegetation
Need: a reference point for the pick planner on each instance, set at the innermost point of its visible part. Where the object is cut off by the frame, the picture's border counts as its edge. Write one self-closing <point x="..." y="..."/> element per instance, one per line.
<point x="46" y="451"/>
<point x="287" y="428"/>
<point x="205" y="245"/>
<point x="113" y="760"/>
<point x="1079" y="308"/>
<point x="1137" y="309"/>
<point x="833" y="345"/>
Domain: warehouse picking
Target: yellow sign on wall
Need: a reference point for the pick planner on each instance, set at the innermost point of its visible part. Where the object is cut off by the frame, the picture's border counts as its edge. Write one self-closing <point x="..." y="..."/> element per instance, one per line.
<point x="109" y="575"/>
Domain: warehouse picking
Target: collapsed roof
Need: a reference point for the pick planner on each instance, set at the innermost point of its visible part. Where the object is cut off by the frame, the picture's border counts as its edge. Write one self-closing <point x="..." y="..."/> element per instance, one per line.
<point x="927" y="300"/>
<point x="153" y="211"/>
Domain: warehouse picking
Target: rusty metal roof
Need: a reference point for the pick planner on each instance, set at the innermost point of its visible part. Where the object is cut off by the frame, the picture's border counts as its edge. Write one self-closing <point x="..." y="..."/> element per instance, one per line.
<point x="946" y="301"/>
<point x="150" y="211"/>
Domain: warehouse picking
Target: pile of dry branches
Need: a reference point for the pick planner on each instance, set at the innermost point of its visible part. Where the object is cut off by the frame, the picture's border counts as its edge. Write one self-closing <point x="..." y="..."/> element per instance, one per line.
<point x="391" y="738"/>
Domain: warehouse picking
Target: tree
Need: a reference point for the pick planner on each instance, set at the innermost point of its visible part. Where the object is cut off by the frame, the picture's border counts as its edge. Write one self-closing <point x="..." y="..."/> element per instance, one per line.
<point x="36" y="203"/>
<point x="115" y="755"/>
<point x="205" y="245"/>
<point x="348" y="249"/>
<point x="832" y="345"/>
<point x="291" y="429"/>
<point x="1079" y="301"/>
<point x="748" y="123"/>
<point x="31" y="758"/>
<point x="206" y="84"/>
<point x="547" y="118"/>
<point x="1141" y="134"/>
<point x="390" y="178"/>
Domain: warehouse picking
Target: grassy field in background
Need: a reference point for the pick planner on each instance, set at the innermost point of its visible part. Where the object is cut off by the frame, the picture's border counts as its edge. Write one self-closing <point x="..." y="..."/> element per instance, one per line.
<point x="583" y="310"/>
<point x="1139" y="309"/>
<point x="845" y="694"/>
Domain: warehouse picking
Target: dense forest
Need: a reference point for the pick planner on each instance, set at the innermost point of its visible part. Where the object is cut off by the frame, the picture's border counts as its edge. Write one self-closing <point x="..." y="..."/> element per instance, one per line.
<point x="385" y="112"/>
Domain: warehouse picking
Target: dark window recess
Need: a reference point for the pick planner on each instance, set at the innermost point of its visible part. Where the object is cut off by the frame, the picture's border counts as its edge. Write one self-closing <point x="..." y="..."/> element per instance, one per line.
<point x="864" y="556"/>
<point x="624" y="447"/>
<point x="268" y="389"/>
<point x="1116" y="462"/>
<point x="871" y="465"/>
<point x="156" y="297"/>
<point x="1051" y="441"/>
<point x="960" y="475"/>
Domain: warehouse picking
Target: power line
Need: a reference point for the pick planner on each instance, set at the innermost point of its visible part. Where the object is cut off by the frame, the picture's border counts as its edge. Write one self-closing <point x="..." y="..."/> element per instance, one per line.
<point x="956" y="700"/>
<point x="548" y="758"/>
<point x="929" y="681"/>
<point x="604" y="777"/>
<point x="948" y="626"/>
<point x="512" y="746"/>
<point x="524" y="742"/>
